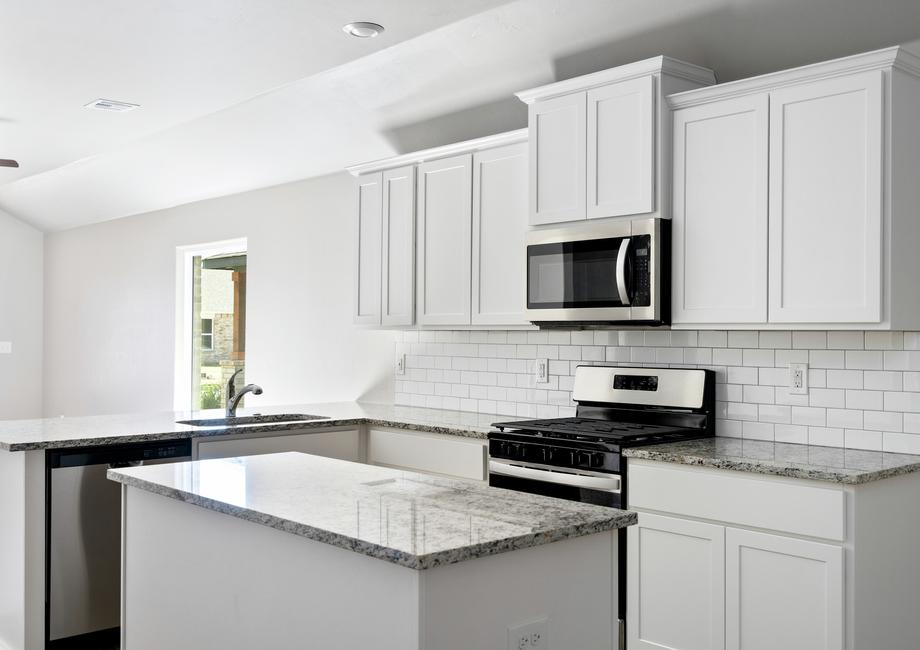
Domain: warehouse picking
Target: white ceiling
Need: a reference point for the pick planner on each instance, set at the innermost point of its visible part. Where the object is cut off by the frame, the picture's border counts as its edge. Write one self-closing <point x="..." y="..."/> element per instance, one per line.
<point x="241" y="94"/>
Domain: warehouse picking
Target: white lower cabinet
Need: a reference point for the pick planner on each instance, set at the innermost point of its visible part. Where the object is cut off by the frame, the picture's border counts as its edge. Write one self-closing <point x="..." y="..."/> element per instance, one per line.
<point x="711" y="565"/>
<point x="676" y="579"/>
<point x="341" y="444"/>
<point x="427" y="452"/>
<point x="782" y="592"/>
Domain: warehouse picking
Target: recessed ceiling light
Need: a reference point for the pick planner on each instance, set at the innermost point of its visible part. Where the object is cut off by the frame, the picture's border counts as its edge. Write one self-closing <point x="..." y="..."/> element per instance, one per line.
<point x="111" y="105"/>
<point x="363" y="30"/>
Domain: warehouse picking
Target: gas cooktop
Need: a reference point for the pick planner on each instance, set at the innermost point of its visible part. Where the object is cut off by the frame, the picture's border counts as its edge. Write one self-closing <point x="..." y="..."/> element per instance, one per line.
<point x="580" y="428"/>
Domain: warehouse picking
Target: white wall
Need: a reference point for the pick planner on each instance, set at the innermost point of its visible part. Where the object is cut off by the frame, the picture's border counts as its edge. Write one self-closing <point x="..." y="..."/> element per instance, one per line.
<point x="110" y="302"/>
<point x="20" y="319"/>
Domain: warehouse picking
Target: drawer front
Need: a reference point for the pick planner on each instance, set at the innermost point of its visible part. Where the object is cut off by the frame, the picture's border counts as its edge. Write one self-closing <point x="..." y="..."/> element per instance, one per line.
<point x="773" y="503"/>
<point x="464" y="458"/>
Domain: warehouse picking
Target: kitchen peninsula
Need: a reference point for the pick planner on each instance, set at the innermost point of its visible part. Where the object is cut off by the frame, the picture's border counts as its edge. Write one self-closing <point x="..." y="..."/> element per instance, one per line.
<point x="294" y="550"/>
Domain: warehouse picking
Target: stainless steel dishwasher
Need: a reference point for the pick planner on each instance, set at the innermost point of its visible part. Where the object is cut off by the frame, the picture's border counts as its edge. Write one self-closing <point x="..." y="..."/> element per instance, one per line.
<point x="83" y="538"/>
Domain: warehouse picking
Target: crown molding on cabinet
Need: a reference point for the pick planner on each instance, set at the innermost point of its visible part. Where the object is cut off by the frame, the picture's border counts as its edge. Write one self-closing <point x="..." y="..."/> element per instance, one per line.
<point x="658" y="64"/>
<point x="467" y="146"/>
<point x="892" y="57"/>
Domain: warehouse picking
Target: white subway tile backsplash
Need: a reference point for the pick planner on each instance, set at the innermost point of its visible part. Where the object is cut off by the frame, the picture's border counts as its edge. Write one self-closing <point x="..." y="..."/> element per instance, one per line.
<point x="864" y="386"/>
<point x="738" y="339"/>
<point x="845" y="340"/>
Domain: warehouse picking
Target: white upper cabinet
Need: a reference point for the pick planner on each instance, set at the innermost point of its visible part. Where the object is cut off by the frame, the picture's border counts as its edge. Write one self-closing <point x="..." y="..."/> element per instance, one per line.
<point x="444" y="249"/>
<point x="720" y="212"/>
<point x="600" y="144"/>
<point x="398" y="277"/>
<point x="557" y="162"/>
<point x="369" y="243"/>
<point x="441" y="236"/>
<point x="621" y="148"/>
<point x="826" y="200"/>
<point x="835" y="234"/>
<point x="499" y="229"/>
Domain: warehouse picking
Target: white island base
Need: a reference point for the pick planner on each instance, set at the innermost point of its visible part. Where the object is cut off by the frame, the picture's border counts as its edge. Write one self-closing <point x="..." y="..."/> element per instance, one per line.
<point x="194" y="578"/>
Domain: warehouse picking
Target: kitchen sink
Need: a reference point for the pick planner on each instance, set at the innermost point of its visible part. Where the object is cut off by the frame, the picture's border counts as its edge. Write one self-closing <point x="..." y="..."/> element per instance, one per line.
<point x="253" y="419"/>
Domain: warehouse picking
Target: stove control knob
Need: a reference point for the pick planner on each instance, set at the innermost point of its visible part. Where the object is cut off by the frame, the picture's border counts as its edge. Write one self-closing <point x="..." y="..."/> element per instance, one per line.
<point x="514" y="449"/>
<point x="597" y="459"/>
<point x="563" y="457"/>
<point x="584" y="458"/>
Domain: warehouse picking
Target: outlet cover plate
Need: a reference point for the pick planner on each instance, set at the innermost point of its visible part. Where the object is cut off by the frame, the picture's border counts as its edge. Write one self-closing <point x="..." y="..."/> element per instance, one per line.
<point x="6" y="347"/>
<point x="529" y="636"/>
<point x="798" y="379"/>
<point x="541" y="371"/>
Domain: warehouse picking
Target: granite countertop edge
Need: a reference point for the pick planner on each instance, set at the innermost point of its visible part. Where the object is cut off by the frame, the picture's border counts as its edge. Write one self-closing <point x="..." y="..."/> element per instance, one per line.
<point x="191" y="432"/>
<point x="618" y="519"/>
<point x="665" y="453"/>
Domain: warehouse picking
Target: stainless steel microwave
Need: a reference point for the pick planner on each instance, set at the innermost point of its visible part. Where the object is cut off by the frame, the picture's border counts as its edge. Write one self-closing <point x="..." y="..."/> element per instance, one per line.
<point x="615" y="273"/>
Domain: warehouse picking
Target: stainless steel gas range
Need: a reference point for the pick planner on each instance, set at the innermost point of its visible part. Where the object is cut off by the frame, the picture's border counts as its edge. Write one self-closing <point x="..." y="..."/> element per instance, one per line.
<point x="580" y="459"/>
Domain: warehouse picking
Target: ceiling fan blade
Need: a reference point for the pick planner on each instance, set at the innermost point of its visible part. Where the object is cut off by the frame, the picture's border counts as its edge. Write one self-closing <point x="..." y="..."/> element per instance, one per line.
<point x="8" y="163"/>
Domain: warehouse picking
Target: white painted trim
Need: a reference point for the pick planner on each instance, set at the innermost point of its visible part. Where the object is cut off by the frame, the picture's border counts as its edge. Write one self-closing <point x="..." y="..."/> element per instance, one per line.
<point x="425" y="155"/>
<point x="896" y="57"/>
<point x="655" y="65"/>
<point x="182" y="372"/>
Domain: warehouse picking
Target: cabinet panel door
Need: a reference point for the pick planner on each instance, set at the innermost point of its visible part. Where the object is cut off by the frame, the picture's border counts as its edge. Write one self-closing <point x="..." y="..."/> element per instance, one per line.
<point x="398" y="290"/>
<point x="499" y="231"/>
<point x="782" y="593"/>
<point x="675" y="584"/>
<point x="621" y="148"/>
<point x="826" y="201"/>
<point x="557" y="159"/>
<point x="444" y="247"/>
<point x="369" y="237"/>
<point x="448" y="455"/>
<point x="343" y="445"/>
<point x="719" y="225"/>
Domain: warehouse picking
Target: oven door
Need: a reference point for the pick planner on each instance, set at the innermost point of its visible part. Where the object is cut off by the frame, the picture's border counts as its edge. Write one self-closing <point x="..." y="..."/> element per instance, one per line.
<point x="574" y="485"/>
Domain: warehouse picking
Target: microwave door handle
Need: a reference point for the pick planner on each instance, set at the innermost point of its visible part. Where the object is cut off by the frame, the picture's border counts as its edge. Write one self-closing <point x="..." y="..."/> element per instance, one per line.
<point x="621" y="271"/>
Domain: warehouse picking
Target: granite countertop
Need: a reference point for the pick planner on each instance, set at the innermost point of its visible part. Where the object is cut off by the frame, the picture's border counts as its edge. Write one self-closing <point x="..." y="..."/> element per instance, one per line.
<point x="830" y="464"/>
<point x="58" y="433"/>
<point x="414" y="520"/>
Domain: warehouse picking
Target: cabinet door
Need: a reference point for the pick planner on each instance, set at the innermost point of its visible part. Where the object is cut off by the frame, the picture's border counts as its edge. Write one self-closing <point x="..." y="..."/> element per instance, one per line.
<point x="432" y="453"/>
<point x="398" y="290"/>
<point x="369" y="239"/>
<point x="499" y="230"/>
<point x="719" y="225"/>
<point x="675" y="584"/>
<point x="826" y="201"/>
<point x="344" y="445"/>
<point x="444" y="250"/>
<point x="782" y="593"/>
<point x="557" y="159"/>
<point x="621" y="148"/>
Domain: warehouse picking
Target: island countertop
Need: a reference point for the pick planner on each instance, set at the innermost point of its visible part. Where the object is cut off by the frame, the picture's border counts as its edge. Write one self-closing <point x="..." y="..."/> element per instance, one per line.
<point x="828" y="464"/>
<point x="86" y="431"/>
<point x="413" y="520"/>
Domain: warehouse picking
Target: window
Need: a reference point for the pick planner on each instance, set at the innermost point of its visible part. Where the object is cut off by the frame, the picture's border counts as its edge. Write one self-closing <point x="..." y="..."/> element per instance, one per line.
<point x="210" y="323"/>
<point x="207" y="333"/>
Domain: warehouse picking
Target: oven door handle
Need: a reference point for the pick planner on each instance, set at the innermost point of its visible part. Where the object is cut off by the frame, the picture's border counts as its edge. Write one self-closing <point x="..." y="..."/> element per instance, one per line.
<point x="609" y="483"/>
<point x="621" y="271"/>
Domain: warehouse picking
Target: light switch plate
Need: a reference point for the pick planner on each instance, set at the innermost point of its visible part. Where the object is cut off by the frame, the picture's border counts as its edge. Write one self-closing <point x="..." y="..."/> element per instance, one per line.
<point x="6" y="347"/>
<point x="541" y="371"/>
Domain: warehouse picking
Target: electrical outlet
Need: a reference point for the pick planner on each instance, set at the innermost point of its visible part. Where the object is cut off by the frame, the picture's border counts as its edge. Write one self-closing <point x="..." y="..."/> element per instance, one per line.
<point x="541" y="371"/>
<point x="401" y="364"/>
<point x="529" y="636"/>
<point x="6" y="347"/>
<point x="798" y="379"/>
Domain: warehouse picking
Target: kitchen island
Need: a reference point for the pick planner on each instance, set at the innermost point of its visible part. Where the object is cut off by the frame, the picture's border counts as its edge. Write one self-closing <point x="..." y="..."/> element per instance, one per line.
<point x="294" y="550"/>
<point x="451" y="441"/>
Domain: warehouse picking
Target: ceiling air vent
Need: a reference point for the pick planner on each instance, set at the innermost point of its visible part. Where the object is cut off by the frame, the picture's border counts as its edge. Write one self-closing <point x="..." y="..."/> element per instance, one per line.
<point x="111" y="105"/>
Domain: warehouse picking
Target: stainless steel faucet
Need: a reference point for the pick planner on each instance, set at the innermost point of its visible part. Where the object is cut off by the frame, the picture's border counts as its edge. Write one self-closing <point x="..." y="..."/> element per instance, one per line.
<point x="233" y="398"/>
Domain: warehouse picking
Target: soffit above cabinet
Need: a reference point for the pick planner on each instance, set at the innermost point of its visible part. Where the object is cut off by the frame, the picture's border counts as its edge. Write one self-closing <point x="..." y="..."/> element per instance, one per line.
<point x="658" y="64"/>
<point x="892" y="57"/>
<point x="444" y="151"/>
